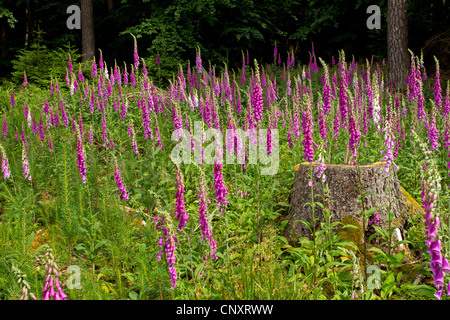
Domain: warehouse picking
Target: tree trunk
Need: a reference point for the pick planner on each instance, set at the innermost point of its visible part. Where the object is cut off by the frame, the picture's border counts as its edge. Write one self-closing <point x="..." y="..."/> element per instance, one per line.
<point x="397" y="41"/>
<point x="87" y="31"/>
<point x="343" y="184"/>
<point x="110" y="6"/>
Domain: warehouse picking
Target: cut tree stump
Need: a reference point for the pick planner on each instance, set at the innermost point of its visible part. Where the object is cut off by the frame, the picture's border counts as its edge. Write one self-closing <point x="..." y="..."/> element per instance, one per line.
<point x="343" y="184"/>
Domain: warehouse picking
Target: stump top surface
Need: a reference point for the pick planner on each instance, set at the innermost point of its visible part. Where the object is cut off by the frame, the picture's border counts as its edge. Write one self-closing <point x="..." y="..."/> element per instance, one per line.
<point x="369" y="165"/>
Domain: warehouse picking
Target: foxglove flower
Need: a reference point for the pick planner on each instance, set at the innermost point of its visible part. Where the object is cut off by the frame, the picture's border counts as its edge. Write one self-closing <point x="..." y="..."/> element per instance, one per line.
<point x="307" y="125"/>
<point x="24" y="285"/>
<point x="198" y="61"/>
<point x="135" y="54"/>
<point x="5" y="168"/>
<point x="256" y="97"/>
<point x="5" y="127"/>
<point x="220" y="189"/>
<point x="50" y="144"/>
<point x="132" y="134"/>
<point x="52" y="288"/>
<point x="180" y="212"/>
<point x="81" y="160"/>
<point x="119" y="182"/>
<point x="437" y="86"/>
<point x="430" y="190"/>
<point x="26" y="169"/>
<point x="169" y="245"/>
<point x="94" y="68"/>
<point x="376" y="218"/>
<point x="203" y="212"/>
<point x="13" y="100"/>
<point x="388" y="152"/>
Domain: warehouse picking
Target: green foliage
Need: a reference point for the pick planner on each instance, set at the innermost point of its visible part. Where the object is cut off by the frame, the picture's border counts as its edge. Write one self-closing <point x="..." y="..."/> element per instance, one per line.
<point x="42" y="64"/>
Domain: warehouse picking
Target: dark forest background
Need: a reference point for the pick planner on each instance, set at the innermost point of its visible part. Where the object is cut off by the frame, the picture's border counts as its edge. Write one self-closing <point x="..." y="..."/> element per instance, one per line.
<point x="34" y="32"/>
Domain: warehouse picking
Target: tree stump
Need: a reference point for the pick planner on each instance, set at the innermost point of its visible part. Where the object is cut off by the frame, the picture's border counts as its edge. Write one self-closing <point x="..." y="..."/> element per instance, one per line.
<point x="343" y="184"/>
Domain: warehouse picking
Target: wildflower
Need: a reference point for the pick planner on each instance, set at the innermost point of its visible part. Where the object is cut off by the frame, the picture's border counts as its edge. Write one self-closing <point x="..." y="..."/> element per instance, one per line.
<point x="388" y="152"/>
<point x="25" y="80"/>
<point x="63" y="114"/>
<point x="94" y="68"/>
<point x="52" y="288"/>
<point x="5" y="127"/>
<point x="198" y="61"/>
<point x="307" y="126"/>
<point x="91" y="136"/>
<point x="437" y="86"/>
<point x="219" y="186"/>
<point x="326" y="89"/>
<point x="132" y="77"/>
<point x="131" y="133"/>
<point x="119" y="182"/>
<point x="80" y="74"/>
<point x="203" y="212"/>
<point x="50" y="144"/>
<point x="26" y="169"/>
<point x="430" y="190"/>
<point x="433" y="132"/>
<point x="13" y="100"/>
<point x="41" y="130"/>
<point x="180" y="212"/>
<point x="446" y="107"/>
<point x="24" y="285"/>
<point x="376" y="218"/>
<point x="256" y="96"/>
<point x="169" y="245"/>
<point x="81" y="160"/>
<point x="275" y="51"/>
<point x="5" y="168"/>
<point x="135" y="54"/>
<point x="320" y="169"/>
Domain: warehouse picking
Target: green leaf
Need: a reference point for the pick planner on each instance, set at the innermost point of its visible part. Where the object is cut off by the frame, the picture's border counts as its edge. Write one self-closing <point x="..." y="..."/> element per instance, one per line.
<point x="347" y="243"/>
<point x="133" y="295"/>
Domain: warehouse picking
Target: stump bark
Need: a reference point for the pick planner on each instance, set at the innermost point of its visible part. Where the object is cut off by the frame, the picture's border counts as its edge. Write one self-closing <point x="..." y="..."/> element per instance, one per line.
<point x="343" y="183"/>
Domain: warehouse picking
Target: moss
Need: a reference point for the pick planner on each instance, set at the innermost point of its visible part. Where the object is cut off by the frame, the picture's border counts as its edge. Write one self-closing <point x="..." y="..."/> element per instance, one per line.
<point x="413" y="205"/>
<point x="349" y="233"/>
<point x="341" y="165"/>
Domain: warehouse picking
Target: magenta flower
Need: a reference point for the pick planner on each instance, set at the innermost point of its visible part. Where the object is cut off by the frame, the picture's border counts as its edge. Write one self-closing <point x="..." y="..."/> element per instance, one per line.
<point x="81" y="160"/>
<point x="198" y="61"/>
<point x="135" y="54"/>
<point x="26" y="169"/>
<point x="13" y="101"/>
<point x="388" y="152"/>
<point x="100" y="61"/>
<point x="5" y="168"/>
<point x="307" y="125"/>
<point x="203" y="212"/>
<point x="437" y="86"/>
<point x="219" y="186"/>
<point x="257" y="98"/>
<point x="94" y="68"/>
<point x="376" y="218"/>
<point x="5" y="127"/>
<point x="52" y="288"/>
<point x="180" y="212"/>
<point x="169" y="245"/>
<point x="119" y="182"/>
<point x="50" y="144"/>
